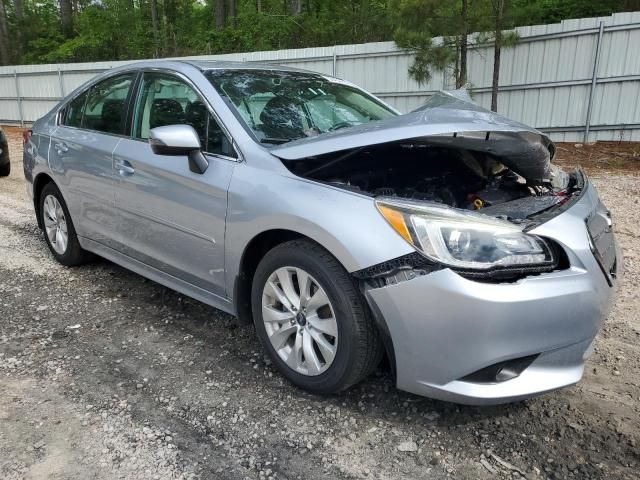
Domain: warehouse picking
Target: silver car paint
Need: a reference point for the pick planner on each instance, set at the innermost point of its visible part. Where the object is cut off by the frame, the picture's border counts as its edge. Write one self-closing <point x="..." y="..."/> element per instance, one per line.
<point x="479" y="324"/>
<point x="442" y="326"/>
<point x="170" y="217"/>
<point x="177" y="135"/>
<point x="88" y="185"/>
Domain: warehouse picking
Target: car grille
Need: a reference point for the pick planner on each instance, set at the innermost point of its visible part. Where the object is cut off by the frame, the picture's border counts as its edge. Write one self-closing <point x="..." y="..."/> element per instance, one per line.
<point x="602" y="241"/>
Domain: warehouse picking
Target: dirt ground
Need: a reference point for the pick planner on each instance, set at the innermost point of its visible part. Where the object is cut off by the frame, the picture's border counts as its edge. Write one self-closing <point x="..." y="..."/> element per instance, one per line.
<point x="106" y="375"/>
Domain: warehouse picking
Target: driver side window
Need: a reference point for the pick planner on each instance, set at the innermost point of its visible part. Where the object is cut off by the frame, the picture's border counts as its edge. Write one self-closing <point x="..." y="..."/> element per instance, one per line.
<point x="165" y="100"/>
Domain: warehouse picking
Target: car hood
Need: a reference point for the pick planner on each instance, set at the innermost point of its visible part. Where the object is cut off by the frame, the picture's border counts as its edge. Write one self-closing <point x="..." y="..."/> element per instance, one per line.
<point x="447" y="118"/>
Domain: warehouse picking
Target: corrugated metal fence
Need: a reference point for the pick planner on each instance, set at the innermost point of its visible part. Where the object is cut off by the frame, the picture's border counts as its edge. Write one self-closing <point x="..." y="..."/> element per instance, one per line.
<point x="576" y="79"/>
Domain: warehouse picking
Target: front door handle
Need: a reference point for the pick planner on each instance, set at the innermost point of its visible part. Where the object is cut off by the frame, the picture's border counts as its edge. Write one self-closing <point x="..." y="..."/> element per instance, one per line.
<point x="61" y="148"/>
<point x="124" y="168"/>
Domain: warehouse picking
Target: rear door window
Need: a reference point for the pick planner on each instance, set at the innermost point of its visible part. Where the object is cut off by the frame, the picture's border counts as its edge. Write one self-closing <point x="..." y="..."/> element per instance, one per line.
<point x="74" y="111"/>
<point x="106" y="106"/>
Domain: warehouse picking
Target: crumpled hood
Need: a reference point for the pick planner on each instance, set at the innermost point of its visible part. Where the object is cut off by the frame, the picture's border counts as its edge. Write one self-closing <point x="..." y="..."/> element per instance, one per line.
<point x="447" y="118"/>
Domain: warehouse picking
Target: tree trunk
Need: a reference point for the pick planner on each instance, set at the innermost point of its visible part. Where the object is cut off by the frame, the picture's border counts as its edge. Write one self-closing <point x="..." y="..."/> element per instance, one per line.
<point x="154" y="25"/>
<point x="169" y="12"/>
<point x="295" y="7"/>
<point x="19" y="9"/>
<point x="456" y="67"/>
<point x="220" y="18"/>
<point x="232" y="12"/>
<point x="19" y="12"/>
<point x="4" y="36"/>
<point x="259" y="6"/>
<point x="463" y="45"/>
<point x="498" y="6"/>
<point x="496" y="75"/>
<point x="66" y="18"/>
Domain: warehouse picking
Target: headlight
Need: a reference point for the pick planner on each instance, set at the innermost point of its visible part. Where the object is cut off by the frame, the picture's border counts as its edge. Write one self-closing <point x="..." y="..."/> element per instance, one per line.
<point x="464" y="240"/>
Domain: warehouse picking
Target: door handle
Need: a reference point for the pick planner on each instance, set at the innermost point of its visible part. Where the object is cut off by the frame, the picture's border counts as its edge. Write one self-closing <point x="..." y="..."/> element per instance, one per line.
<point x="125" y="168"/>
<point x="61" y="148"/>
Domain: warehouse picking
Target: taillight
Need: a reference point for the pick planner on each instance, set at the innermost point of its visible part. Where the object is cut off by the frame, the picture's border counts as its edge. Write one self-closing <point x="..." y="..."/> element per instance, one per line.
<point x="26" y="136"/>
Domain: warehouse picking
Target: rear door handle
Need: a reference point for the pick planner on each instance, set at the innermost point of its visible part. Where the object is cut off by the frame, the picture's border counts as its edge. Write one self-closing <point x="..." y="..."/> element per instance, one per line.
<point x="61" y="148"/>
<point x="124" y="168"/>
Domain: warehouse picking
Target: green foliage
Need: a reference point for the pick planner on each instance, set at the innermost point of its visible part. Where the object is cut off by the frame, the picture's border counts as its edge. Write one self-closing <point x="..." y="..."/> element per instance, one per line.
<point x="551" y="11"/>
<point x="122" y="29"/>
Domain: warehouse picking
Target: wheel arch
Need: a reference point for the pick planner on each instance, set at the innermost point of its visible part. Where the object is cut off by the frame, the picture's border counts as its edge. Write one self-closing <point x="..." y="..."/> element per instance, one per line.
<point x="254" y="251"/>
<point x="39" y="183"/>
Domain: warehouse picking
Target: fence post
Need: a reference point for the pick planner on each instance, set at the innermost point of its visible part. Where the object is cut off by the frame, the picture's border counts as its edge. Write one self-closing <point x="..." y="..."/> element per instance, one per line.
<point x="61" y="84"/>
<point x="594" y="81"/>
<point x="19" y="98"/>
<point x="335" y="61"/>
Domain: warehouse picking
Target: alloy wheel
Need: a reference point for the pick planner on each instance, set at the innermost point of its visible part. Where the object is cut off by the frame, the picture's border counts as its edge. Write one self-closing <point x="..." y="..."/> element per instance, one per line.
<point x="55" y="224"/>
<point x="300" y="321"/>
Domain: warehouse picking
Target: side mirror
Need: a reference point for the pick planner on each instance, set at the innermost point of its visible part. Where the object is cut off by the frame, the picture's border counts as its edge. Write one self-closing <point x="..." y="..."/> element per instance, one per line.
<point x="179" y="140"/>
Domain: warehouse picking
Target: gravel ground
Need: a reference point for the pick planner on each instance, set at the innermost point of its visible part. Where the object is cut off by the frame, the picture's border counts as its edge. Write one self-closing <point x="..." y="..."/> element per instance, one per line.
<point x="106" y="375"/>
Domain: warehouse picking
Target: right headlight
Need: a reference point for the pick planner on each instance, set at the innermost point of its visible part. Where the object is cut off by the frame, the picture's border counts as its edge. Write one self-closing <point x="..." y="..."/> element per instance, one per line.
<point x="465" y="240"/>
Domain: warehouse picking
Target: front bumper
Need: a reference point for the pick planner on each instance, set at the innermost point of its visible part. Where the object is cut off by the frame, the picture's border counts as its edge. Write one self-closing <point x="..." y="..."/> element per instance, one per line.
<point x="444" y="327"/>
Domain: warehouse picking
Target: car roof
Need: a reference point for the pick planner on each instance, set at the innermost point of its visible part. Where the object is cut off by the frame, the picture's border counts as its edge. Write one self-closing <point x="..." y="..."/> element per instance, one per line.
<point x="230" y="65"/>
<point x="182" y="65"/>
<point x="205" y="65"/>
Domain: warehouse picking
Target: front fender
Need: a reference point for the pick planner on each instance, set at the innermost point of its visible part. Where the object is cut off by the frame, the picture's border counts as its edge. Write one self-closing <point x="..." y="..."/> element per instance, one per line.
<point x="347" y="224"/>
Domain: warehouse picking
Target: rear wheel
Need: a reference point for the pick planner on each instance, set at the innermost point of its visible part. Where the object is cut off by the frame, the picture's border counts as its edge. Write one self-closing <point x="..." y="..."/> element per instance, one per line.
<point x="58" y="228"/>
<point x="312" y="319"/>
<point x="5" y="170"/>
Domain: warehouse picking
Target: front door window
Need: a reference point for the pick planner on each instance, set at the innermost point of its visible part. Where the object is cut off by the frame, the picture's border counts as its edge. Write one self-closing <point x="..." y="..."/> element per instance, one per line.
<point x="166" y="100"/>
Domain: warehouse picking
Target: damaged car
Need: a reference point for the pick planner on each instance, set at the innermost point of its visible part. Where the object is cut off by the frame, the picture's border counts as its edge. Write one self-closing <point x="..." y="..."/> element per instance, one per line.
<point x="444" y="239"/>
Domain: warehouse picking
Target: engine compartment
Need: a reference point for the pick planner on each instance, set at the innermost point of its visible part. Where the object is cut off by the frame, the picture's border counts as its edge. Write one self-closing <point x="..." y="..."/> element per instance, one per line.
<point x="458" y="177"/>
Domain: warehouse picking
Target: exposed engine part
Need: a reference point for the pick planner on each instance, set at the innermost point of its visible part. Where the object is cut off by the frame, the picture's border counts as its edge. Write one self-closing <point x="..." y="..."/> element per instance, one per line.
<point x="436" y="173"/>
<point x="503" y="187"/>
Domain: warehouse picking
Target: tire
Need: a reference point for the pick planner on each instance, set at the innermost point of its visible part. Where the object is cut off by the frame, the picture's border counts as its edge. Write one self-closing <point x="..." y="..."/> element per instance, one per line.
<point x="72" y="254"/>
<point x="5" y="170"/>
<point x="358" y="347"/>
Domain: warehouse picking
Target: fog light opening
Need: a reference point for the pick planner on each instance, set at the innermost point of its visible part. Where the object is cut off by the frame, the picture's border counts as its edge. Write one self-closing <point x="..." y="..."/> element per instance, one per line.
<point x="500" y="372"/>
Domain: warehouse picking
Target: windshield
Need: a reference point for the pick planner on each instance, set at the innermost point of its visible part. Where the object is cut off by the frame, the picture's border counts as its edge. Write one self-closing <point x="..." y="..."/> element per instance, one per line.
<point x="282" y="106"/>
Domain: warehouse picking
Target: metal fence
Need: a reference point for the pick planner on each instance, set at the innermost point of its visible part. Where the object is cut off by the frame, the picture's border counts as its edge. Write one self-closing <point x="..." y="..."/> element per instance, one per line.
<point x="578" y="80"/>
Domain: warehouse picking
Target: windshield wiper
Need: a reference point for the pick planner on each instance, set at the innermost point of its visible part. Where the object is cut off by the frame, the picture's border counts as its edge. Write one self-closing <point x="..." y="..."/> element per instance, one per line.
<point x="275" y="141"/>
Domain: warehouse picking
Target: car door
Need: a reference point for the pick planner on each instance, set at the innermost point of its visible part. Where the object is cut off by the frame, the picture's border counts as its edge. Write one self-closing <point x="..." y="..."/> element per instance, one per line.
<point x="81" y="151"/>
<point x="171" y="218"/>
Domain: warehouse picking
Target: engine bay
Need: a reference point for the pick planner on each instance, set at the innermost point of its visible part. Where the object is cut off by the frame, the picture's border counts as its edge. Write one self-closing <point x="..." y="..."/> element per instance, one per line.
<point x="419" y="171"/>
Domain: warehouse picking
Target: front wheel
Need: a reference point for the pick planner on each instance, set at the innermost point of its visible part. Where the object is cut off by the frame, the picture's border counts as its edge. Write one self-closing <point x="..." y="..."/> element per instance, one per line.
<point x="312" y="319"/>
<point x="5" y="170"/>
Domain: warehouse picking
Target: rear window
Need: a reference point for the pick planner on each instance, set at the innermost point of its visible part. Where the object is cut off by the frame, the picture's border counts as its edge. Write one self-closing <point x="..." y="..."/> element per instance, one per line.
<point x="74" y="111"/>
<point x="106" y="106"/>
<point x="102" y="108"/>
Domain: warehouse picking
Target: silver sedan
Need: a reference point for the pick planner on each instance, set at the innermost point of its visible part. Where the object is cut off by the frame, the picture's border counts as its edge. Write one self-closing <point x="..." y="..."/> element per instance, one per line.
<point x="444" y="239"/>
